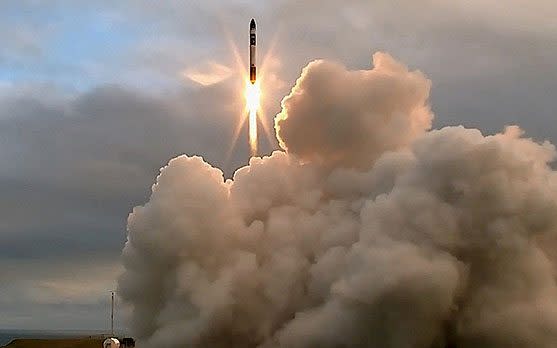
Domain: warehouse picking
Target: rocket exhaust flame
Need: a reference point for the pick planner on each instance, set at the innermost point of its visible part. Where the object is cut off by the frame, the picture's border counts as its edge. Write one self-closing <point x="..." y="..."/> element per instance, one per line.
<point x="253" y="133"/>
<point x="252" y="94"/>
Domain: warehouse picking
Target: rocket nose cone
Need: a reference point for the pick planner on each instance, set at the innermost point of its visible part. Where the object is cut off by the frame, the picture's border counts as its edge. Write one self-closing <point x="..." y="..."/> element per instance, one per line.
<point x="252" y="24"/>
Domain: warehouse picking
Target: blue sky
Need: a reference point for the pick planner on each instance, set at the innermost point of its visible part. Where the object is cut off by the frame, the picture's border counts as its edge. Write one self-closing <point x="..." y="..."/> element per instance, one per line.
<point x="69" y="43"/>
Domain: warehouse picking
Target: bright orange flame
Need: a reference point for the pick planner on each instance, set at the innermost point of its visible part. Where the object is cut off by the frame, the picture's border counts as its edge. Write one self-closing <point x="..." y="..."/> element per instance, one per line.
<point x="253" y="96"/>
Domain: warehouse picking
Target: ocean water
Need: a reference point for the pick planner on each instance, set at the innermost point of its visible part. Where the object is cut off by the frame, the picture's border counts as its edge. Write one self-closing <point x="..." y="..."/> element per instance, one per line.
<point x="6" y="336"/>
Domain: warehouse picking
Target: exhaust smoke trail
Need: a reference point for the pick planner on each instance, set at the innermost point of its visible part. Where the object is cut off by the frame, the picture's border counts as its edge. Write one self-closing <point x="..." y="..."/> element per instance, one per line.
<point x="368" y="230"/>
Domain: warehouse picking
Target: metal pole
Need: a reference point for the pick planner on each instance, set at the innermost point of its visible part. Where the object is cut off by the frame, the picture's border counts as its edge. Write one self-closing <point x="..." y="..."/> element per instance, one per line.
<point x="112" y="315"/>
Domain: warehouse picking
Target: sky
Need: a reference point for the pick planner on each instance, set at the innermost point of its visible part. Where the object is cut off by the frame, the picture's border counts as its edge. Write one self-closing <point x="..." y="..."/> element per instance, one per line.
<point x="95" y="97"/>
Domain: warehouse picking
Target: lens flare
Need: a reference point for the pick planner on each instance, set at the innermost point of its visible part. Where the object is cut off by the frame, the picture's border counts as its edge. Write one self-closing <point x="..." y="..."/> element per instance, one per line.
<point x="253" y="95"/>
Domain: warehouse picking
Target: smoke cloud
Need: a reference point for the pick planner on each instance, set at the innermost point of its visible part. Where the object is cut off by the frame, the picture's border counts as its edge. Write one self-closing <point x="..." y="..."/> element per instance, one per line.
<point x="368" y="231"/>
<point x="351" y="118"/>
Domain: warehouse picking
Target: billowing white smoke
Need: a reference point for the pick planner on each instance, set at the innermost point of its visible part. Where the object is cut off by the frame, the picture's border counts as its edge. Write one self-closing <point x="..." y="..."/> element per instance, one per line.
<point x="340" y="117"/>
<point x="370" y="231"/>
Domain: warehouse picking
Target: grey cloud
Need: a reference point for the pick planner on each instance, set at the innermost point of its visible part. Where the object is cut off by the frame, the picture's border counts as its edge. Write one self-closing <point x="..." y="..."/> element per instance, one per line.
<point x="75" y="166"/>
<point x="98" y="153"/>
<point x="70" y="294"/>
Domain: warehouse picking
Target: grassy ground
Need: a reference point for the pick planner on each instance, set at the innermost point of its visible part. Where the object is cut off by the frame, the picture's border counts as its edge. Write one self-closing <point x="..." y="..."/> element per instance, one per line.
<point x="56" y="343"/>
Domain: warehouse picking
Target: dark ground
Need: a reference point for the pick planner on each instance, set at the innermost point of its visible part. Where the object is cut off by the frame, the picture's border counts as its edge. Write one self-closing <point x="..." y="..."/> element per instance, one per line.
<point x="56" y="343"/>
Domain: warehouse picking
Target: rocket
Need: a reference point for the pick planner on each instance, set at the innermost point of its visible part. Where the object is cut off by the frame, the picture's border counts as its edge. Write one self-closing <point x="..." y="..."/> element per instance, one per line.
<point x="252" y="73"/>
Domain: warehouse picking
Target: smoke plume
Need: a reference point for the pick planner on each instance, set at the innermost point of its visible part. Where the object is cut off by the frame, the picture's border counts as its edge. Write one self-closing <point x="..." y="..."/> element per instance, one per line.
<point x="351" y="118"/>
<point x="368" y="231"/>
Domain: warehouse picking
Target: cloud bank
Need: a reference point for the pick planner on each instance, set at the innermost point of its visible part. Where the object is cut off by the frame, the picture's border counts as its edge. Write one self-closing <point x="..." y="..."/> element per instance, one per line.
<point x="368" y="231"/>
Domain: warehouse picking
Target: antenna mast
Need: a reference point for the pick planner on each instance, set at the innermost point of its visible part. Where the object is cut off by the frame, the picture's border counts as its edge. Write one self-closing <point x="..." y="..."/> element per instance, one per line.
<point x="112" y="314"/>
